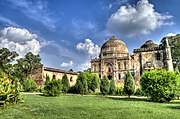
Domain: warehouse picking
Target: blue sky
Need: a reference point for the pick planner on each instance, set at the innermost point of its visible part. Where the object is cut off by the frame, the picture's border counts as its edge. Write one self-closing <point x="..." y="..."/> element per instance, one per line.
<point x="67" y="33"/>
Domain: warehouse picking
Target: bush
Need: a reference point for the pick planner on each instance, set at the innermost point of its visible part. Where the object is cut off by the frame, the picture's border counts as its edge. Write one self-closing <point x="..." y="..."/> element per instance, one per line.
<point x="53" y="88"/>
<point x="47" y="79"/>
<point x="30" y="85"/>
<point x="73" y="90"/>
<point x="129" y="85"/>
<point x="139" y="91"/>
<point x="120" y="89"/>
<point x="104" y="86"/>
<point x="112" y="89"/>
<point x="9" y="90"/>
<point x="94" y="83"/>
<point x="160" y="85"/>
<point x="65" y="84"/>
<point x="81" y="84"/>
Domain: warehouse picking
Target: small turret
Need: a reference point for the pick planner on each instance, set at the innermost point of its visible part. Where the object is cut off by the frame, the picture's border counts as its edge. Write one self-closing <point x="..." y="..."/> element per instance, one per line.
<point x="167" y="52"/>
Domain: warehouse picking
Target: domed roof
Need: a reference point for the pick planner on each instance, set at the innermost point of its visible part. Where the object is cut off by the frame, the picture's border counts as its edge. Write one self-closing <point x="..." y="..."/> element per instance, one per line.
<point x="149" y="44"/>
<point x="114" y="45"/>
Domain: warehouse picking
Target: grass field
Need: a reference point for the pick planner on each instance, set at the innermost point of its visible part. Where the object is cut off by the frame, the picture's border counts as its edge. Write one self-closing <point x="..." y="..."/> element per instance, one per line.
<point x="89" y="107"/>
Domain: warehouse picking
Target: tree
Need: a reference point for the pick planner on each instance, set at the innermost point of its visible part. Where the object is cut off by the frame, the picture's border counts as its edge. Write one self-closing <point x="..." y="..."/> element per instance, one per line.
<point x="81" y="84"/>
<point x="65" y="84"/>
<point x="129" y="84"/>
<point x="160" y="85"/>
<point x="94" y="83"/>
<point x="24" y="66"/>
<point x="6" y="58"/>
<point x="112" y="89"/>
<point x="104" y="86"/>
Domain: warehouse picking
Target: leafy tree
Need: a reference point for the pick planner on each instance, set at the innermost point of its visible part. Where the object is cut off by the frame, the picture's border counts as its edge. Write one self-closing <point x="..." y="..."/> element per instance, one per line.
<point x="25" y="65"/>
<point x="112" y="89"/>
<point x="81" y="84"/>
<point x="53" y="88"/>
<point x="65" y="84"/>
<point x="104" y="86"/>
<point x="6" y="58"/>
<point x="160" y="85"/>
<point x="94" y="83"/>
<point x="129" y="84"/>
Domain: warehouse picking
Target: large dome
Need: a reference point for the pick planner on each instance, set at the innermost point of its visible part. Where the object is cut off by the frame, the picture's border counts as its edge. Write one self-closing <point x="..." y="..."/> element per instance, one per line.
<point x="114" y="45"/>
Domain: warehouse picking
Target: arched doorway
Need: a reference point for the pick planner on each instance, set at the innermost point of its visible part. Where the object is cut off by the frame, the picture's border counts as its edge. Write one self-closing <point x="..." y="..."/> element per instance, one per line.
<point x="109" y="77"/>
<point x="109" y="71"/>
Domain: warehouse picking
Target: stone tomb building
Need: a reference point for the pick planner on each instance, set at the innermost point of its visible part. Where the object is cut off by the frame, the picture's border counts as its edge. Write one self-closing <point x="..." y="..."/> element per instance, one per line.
<point x="115" y="60"/>
<point x="40" y="72"/>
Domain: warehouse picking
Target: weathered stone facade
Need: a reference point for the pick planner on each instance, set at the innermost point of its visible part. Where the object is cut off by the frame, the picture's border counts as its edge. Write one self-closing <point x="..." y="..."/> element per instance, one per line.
<point x="115" y="60"/>
<point x="40" y="72"/>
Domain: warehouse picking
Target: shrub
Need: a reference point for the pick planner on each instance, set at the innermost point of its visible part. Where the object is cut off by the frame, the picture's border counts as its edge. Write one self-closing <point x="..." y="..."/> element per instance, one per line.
<point x="81" y="84"/>
<point x="94" y="83"/>
<point x="53" y="88"/>
<point x="47" y="79"/>
<point x="129" y="84"/>
<point x="160" y="85"/>
<point x="72" y="89"/>
<point x="104" y="86"/>
<point x="120" y="89"/>
<point x="65" y="84"/>
<point x="112" y="89"/>
<point x="30" y="85"/>
<point x="9" y="90"/>
<point x="139" y="91"/>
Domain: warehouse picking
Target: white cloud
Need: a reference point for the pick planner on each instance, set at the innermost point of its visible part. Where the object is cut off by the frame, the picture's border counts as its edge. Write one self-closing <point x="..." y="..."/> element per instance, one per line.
<point x="171" y="34"/>
<point x="65" y="64"/>
<point x="89" y="47"/>
<point x="137" y="19"/>
<point x="84" y="66"/>
<point x="19" y="40"/>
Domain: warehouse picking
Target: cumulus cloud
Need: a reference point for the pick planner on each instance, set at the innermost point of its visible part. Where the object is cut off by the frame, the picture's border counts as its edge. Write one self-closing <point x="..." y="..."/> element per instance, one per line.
<point x="19" y="40"/>
<point x="171" y="34"/>
<point x="67" y="64"/>
<point x="84" y="66"/>
<point x="137" y="19"/>
<point x="89" y="47"/>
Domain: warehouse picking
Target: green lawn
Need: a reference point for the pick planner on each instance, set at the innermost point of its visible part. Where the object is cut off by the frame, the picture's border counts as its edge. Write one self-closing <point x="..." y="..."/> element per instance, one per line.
<point x="91" y="107"/>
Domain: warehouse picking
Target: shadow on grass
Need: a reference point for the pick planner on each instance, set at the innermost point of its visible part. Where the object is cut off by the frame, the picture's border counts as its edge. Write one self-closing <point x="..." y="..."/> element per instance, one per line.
<point x="173" y="107"/>
<point x="129" y="99"/>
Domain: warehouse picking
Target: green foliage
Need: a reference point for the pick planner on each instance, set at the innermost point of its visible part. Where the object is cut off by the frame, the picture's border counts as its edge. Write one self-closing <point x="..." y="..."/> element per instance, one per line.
<point x="104" y="86"/>
<point x="160" y="85"/>
<point x="9" y="90"/>
<point x="53" y="88"/>
<point x="129" y="84"/>
<point x="30" y="85"/>
<point x="94" y="83"/>
<point x="65" y="84"/>
<point x="47" y="79"/>
<point x="25" y="65"/>
<point x="112" y="89"/>
<point x="81" y="84"/>
<point x="120" y="89"/>
<point x="139" y="91"/>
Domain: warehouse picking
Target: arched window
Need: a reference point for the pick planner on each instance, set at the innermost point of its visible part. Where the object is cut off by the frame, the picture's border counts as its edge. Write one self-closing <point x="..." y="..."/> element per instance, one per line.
<point x="71" y="79"/>
<point x="119" y="76"/>
<point x="54" y="76"/>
